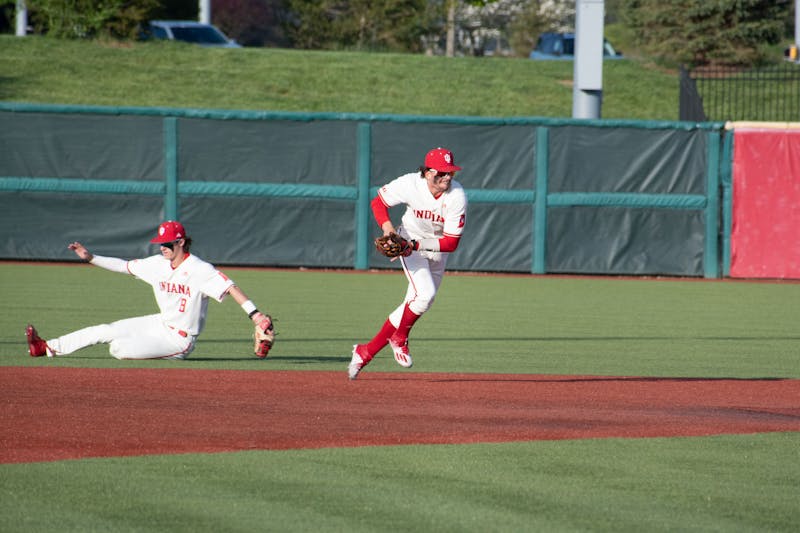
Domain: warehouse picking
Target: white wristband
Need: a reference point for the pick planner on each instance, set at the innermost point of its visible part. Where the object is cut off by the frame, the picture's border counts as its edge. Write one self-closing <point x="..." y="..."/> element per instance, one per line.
<point x="249" y="307"/>
<point x="431" y="245"/>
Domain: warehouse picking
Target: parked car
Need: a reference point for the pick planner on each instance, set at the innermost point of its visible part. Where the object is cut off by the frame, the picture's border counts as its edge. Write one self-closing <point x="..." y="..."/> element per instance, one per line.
<point x="562" y="46"/>
<point x="188" y="31"/>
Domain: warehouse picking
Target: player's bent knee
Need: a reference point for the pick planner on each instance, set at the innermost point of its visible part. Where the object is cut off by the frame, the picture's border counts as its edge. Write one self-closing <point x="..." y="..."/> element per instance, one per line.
<point x="418" y="307"/>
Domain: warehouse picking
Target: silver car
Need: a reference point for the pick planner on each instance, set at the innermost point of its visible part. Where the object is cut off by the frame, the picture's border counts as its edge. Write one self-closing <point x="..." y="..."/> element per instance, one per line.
<point x="190" y="32"/>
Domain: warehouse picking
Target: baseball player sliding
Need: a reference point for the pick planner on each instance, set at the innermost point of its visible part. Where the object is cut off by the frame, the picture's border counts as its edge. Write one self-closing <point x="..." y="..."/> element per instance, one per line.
<point x="182" y="284"/>
<point x="434" y="219"/>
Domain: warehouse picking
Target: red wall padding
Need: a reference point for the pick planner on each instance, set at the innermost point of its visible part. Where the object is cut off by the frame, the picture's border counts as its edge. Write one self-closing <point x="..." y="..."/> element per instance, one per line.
<point x="765" y="235"/>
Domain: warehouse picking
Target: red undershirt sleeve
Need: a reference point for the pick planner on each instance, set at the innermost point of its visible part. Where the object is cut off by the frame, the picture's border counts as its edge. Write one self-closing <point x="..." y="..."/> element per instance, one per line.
<point x="379" y="210"/>
<point x="448" y="243"/>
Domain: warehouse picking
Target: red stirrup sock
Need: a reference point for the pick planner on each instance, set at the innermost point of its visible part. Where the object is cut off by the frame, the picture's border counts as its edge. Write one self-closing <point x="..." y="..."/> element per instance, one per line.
<point x="408" y="320"/>
<point x="381" y="339"/>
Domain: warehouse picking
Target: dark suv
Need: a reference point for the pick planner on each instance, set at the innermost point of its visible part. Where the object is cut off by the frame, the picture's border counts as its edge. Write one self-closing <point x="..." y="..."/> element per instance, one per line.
<point x="562" y="46"/>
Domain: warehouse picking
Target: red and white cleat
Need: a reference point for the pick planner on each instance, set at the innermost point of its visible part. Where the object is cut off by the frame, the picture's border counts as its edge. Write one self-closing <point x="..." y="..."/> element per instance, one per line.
<point x="357" y="362"/>
<point x="36" y="345"/>
<point x="400" y="349"/>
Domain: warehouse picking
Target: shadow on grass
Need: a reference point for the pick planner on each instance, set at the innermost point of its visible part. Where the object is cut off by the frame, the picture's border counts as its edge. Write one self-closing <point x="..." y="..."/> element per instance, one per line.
<point x="351" y="340"/>
<point x="299" y="359"/>
<point x="596" y="379"/>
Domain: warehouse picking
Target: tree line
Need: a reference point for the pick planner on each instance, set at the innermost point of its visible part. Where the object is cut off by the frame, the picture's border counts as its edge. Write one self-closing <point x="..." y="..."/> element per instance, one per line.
<point x="692" y="32"/>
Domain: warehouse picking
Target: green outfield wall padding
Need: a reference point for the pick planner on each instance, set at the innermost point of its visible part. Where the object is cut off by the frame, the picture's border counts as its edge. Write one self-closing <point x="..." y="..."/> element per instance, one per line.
<point x="11" y="184"/>
<point x="726" y="183"/>
<point x="302" y="153"/>
<point x="293" y="189"/>
<point x="539" y="227"/>
<point x="627" y="160"/>
<point x="604" y="199"/>
<point x="315" y="223"/>
<point x="171" y="172"/>
<point x="712" y="217"/>
<point x="362" y="209"/>
<point x="40" y="225"/>
<point x="617" y="240"/>
<point x="82" y="146"/>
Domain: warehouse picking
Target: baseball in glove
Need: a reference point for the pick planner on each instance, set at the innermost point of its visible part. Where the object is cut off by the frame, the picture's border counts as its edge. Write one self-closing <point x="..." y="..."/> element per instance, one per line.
<point x="264" y="337"/>
<point x="393" y="245"/>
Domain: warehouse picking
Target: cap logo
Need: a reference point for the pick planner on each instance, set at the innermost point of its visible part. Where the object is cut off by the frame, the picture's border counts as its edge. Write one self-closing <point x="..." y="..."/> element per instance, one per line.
<point x="161" y="230"/>
<point x="448" y="158"/>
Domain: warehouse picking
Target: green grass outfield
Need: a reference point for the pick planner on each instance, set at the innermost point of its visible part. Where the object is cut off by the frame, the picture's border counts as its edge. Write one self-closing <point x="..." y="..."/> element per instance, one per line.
<point x="479" y="323"/>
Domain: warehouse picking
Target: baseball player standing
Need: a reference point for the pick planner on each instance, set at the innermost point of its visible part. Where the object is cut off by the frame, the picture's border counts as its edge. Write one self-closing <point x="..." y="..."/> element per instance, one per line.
<point x="182" y="284"/>
<point x="434" y="219"/>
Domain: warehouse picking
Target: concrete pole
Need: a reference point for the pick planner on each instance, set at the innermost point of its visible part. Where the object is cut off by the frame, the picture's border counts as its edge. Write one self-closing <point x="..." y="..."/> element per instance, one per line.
<point x="587" y="87"/>
<point x="797" y="22"/>
<point x="205" y="12"/>
<point x="22" y="18"/>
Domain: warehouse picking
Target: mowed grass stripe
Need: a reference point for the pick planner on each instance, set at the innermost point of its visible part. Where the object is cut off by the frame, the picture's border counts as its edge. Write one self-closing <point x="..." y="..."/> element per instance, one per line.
<point x="479" y="323"/>
<point x="725" y="483"/>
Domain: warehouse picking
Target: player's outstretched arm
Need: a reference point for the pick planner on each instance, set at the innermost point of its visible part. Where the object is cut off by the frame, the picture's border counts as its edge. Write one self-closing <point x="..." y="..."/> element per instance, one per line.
<point x="258" y="318"/>
<point x="81" y="251"/>
<point x="109" y="263"/>
<point x="264" y="334"/>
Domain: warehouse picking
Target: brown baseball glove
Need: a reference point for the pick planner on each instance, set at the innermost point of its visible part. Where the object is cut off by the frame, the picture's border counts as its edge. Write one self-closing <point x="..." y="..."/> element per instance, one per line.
<point x="264" y="337"/>
<point x="393" y="245"/>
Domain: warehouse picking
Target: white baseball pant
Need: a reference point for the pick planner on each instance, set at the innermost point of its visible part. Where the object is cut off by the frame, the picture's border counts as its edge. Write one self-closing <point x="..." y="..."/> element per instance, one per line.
<point x="424" y="271"/>
<point x="143" y="337"/>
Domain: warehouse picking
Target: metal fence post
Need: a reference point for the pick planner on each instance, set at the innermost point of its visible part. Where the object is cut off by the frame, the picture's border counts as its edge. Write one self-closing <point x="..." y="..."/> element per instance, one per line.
<point x="540" y="201"/>
<point x="364" y="157"/>
<point x="711" y="254"/>
<point x="171" y="168"/>
<point x="727" y="201"/>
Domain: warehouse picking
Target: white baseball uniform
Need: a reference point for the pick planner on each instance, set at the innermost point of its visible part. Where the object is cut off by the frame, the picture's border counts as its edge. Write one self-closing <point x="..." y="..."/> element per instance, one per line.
<point x="182" y="296"/>
<point x="426" y="217"/>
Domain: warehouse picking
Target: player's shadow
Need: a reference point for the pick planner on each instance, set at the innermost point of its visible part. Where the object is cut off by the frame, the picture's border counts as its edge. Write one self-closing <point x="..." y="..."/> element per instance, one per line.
<point x="595" y="379"/>
<point x="298" y="360"/>
<point x="585" y="338"/>
<point x="348" y="341"/>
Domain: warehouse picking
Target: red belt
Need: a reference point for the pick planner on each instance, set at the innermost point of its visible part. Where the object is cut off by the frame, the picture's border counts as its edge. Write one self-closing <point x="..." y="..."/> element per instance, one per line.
<point x="180" y="332"/>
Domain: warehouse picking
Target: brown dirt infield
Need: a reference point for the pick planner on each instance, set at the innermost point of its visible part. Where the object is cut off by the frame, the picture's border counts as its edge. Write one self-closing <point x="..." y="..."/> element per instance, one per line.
<point x="51" y="414"/>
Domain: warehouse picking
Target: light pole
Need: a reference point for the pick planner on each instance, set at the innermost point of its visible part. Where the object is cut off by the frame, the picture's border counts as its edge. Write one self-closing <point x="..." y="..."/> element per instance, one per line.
<point x="587" y="87"/>
<point x="205" y="12"/>
<point x="22" y="18"/>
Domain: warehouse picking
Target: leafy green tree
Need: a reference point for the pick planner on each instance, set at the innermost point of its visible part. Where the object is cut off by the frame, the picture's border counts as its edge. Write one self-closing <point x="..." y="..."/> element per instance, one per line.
<point x="695" y="33"/>
<point x="250" y="22"/>
<point x="180" y="10"/>
<point x="396" y="25"/>
<point x="79" y="19"/>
